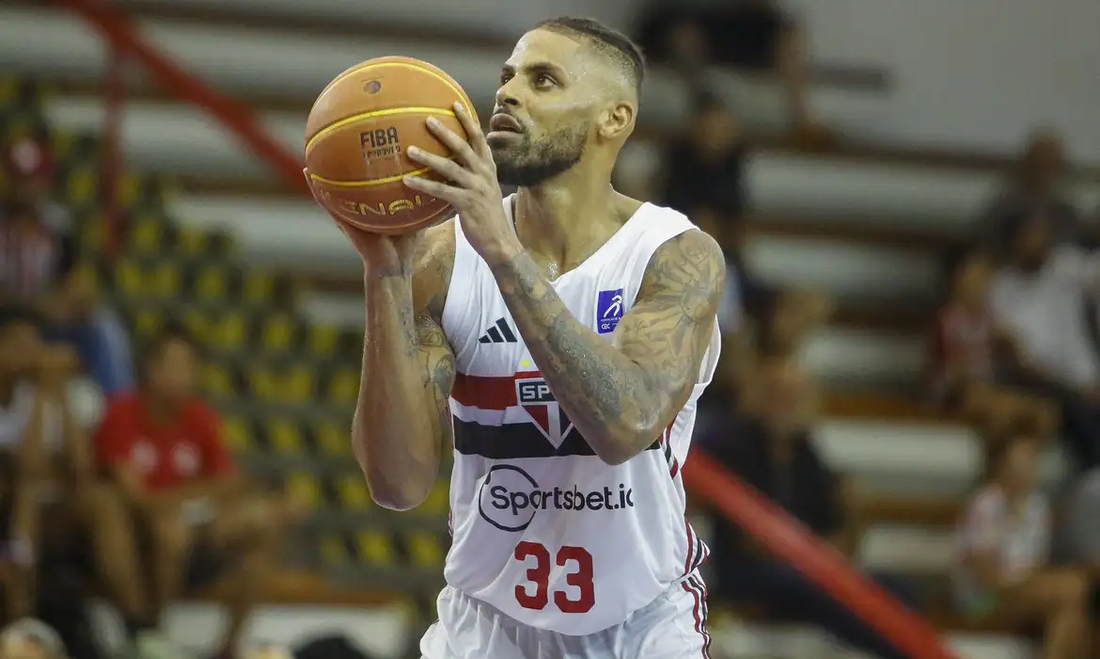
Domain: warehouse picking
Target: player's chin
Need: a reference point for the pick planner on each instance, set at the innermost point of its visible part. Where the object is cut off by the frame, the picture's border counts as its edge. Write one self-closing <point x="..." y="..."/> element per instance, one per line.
<point x="503" y="139"/>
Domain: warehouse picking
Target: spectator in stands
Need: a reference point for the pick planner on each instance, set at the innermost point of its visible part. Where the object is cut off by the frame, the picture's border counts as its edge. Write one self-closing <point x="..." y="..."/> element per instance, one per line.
<point x="772" y="449"/>
<point x="755" y="36"/>
<point x="704" y="171"/>
<point x="31" y="639"/>
<point x="47" y="473"/>
<point x="164" y="448"/>
<point x="33" y="419"/>
<point x="1003" y="544"/>
<point x="37" y="265"/>
<point x="963" y="360"/>
<point x="1078" y="532"/>
<point x="1037" y="184"/>
<point x="1039" y="301"/>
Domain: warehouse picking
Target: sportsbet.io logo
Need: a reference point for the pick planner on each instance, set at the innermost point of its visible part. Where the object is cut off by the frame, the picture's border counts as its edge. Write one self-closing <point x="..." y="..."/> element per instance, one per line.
<point x="510" y="497"/>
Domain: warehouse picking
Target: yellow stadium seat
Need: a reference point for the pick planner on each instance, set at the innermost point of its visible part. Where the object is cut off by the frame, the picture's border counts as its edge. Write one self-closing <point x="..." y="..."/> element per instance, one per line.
<point x="216" y="381"/>
<point x="292" y="385"/>
<point x="62" y="141"/>
<point x="425" y="549"/>
<point x="296" y="385"/>
<point x="9" y="89"/>
<point x="238" y="435"/>
<point x="303" y="490"/>
<point x="261" y="382"/>
<point x="278" y="333"/>
<point x="438" y="501"/>
<point x="228" y="331"/>
<point x="353" y="493"/>
<point x="333" y="551"/>
<point x="148" y="322"/>
<point x="323" y="339"/>
<point x="146" y="235"/>
<point x="129" y="278"/>
<point x="334" y="440"/>
<point x="81" y="187"/>
<point x="375" y="547"/>
<point x="164" y="280"/>
<point x="93" y="234"/>
<point x="210" y="284"/>
<point x="192" y="241"/>
<point x="344" y="386"/>
<point x="128" y="189"/>
<point x="285" y="437"/>
<point x="258" y="286"/>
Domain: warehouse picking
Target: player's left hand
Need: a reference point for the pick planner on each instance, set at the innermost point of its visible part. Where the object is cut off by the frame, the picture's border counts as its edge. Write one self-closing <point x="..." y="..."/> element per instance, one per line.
<point x="473" y="190"/>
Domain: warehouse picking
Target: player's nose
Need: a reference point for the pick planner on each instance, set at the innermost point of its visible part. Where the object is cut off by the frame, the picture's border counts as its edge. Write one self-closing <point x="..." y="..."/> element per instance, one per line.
<point x="506" y="96"/>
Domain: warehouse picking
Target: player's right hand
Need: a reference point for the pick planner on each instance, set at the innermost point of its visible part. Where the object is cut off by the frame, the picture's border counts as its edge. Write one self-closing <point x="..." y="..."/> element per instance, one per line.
<point x="382" y="254"/>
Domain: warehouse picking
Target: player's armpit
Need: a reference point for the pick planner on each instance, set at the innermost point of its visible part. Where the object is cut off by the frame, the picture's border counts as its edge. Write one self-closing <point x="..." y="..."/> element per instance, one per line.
<point x="669" y="328"/>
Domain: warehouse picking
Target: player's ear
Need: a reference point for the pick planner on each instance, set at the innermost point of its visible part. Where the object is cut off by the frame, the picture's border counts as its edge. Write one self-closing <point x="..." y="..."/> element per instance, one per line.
<point x="617" y="121"/>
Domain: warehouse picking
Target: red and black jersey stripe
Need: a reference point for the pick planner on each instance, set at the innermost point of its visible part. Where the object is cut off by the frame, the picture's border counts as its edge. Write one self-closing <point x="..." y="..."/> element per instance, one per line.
<point x="515" y="440"/>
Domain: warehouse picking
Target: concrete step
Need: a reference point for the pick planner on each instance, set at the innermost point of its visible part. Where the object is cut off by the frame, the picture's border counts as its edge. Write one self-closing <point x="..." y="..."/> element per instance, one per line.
<point x="911" y="199"/>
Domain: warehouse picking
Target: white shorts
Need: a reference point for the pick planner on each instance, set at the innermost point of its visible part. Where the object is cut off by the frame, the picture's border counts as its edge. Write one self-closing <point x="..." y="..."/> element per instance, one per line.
<point x="674" y="626"/>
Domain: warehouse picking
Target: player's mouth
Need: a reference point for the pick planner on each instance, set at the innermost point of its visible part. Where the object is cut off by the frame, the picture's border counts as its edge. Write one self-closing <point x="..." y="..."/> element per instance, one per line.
<point x="504" y="123"/>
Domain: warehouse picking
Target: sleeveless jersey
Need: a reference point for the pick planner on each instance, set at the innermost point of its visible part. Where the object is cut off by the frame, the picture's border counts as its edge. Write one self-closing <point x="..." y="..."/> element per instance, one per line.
<point x="542" y="528"/>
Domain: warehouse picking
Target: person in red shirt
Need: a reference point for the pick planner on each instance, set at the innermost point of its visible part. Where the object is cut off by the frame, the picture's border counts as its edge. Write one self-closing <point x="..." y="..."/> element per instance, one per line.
<point x="163" y="447"/>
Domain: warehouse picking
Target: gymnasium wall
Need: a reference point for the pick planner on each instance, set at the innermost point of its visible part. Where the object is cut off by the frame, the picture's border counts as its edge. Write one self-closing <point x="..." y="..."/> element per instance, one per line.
<point x="972" y="74"/>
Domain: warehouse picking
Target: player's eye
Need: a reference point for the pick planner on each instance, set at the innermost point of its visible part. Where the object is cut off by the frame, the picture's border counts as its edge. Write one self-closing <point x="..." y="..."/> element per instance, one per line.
<point x="544" y="81"/>
<point x="504" y="78"/>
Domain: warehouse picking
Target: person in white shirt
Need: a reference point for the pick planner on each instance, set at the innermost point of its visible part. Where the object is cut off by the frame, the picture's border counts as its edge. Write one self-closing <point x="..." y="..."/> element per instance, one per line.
<point x="1002" y="548"/>
<point x="48" y="474"/>
<point x="1039" y="299"/>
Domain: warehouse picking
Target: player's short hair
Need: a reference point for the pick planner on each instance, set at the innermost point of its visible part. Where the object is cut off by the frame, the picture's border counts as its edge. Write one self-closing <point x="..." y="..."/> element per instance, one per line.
<point x="618" y="48"/>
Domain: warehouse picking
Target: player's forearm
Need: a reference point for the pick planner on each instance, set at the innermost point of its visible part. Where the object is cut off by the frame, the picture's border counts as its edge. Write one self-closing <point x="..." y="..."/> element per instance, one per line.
<point x="606" y="394"/>
<point x="393" y="437"/>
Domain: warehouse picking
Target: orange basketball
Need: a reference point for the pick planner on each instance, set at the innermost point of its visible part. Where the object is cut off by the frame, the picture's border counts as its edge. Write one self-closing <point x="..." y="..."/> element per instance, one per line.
<point x="358" y="133"/>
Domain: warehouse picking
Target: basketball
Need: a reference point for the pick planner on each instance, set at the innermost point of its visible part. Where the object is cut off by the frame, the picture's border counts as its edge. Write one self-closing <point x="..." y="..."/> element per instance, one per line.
<point x="357" y="135"/>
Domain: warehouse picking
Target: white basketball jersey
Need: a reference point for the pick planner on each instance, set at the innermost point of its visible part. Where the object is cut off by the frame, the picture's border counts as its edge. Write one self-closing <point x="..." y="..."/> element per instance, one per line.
<point x="543" y="529"/>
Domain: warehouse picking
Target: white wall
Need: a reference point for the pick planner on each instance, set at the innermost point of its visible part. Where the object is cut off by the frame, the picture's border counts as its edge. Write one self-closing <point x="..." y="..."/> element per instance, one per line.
<point x="506" y="18"/>
<point x="972" y="72"/>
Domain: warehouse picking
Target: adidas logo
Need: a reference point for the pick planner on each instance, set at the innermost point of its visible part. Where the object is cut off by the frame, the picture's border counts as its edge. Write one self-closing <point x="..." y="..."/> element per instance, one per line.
<point x="499" y="332"/>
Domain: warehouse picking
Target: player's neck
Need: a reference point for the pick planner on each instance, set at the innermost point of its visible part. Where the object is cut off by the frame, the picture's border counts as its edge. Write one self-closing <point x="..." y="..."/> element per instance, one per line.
<point x="563" y="213"/>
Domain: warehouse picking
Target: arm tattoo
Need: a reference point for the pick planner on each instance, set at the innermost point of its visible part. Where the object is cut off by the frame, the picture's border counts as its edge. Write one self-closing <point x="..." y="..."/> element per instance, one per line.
<point x="438" y="362"/>
<point x="628" y="389"/>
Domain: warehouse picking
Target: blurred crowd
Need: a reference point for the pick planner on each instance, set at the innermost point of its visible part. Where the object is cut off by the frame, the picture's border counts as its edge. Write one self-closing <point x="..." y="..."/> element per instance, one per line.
<point x="1014" y="351"/>
<point x="113" y="446"/>
<point x="115" y="481"/>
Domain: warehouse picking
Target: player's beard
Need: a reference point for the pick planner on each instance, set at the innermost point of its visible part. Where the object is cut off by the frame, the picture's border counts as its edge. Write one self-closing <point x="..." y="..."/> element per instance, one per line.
<point x="531" y="162"/>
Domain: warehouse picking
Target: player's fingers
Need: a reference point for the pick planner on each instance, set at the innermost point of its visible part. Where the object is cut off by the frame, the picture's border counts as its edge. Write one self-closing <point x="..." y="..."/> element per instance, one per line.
<point x="447" y="193"/>
<point x="477" y="137"/>
<point x="450" y="169"/>
<point x="458" y="146"/>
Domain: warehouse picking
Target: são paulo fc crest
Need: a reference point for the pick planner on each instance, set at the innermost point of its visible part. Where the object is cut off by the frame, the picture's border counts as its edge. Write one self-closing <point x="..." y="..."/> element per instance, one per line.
<point x="534" y="396"/>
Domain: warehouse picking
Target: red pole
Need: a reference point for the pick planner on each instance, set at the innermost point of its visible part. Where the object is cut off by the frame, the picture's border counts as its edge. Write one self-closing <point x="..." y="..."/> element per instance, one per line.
<point x="111" y="169"/>
<point x="120" y="32"/>
<point x="791" y="542"/>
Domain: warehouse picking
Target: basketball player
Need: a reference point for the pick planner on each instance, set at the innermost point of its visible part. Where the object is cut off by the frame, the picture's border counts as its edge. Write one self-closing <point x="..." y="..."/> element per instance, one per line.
<point x="558" y="340"/>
